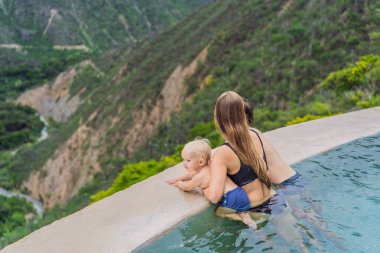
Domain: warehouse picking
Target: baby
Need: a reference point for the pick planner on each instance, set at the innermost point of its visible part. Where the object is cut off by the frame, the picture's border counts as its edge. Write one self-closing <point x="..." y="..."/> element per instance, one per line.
<point x="196" y="157"/>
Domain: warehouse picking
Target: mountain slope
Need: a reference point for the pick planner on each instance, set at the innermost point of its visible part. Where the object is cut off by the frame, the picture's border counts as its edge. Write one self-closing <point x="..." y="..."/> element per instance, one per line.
<point x="275" y="54"/>
<point x="40" y="39"/>
<point x="270" y="52"/>
<point x="95" y="24"/>
<point x="111" y="105"/>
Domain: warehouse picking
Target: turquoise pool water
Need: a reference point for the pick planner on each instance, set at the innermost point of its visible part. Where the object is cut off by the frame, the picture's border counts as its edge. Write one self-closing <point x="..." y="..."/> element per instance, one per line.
<point x="339" y="212"/>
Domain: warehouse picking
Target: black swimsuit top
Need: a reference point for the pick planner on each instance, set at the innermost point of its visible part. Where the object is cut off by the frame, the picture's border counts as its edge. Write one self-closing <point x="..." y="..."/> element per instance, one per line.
<point x="246" y="174"/>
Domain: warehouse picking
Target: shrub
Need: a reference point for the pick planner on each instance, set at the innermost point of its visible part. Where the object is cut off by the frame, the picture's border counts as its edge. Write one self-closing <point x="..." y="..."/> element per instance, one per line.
<point x="364" y="74"/>
<point x="136" y="172"/>
<point x="305" y="118"/>
<point x="318" y="108"/>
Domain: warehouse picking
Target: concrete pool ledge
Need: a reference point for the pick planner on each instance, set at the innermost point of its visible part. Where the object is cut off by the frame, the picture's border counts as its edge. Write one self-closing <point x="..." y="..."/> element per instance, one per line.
<point x="130" y="218"/>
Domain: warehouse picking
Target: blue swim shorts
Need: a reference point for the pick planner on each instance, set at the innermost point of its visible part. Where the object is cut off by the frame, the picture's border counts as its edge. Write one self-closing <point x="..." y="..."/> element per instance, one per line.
<point x="236" y="199"/>
<point x="293" y="185"/>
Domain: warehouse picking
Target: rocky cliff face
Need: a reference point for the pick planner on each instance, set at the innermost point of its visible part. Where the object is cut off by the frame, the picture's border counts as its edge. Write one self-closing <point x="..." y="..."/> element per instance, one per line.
<point x="54" y="101"/>
<point x="72" y="165"/>
<point x="70" y="168"/>
<point x="171" y="98"/>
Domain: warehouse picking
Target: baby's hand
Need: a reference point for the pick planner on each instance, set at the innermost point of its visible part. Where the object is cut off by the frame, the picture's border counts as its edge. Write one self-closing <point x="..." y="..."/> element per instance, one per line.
<point x="176" y="183"/>
<point x="172" y="181"/>
<point x="184" y="177"/>
<point x="181" y="185"/>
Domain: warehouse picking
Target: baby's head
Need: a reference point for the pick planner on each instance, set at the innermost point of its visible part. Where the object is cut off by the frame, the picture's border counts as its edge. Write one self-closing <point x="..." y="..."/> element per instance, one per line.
<point x="248" y="109"/>
<point x="196" y="154"/>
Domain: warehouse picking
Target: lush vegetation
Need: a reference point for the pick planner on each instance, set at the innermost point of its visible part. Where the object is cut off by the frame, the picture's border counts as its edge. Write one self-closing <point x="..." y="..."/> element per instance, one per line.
<point x="19" y="166"/>
<point x="18" y="125"/>
<point x="36" y="66"/>
<point x="110" y="24"/>
<point x="12" y="214"/>
<point x="97" y="24"/>
<point x="134" y="173"/>
<point x="358" y="84"/>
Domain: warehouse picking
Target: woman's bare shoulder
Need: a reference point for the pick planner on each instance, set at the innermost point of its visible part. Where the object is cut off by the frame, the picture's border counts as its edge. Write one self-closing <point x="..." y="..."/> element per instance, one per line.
<point x="255" y="134"/>
<point x="222" y="152"/>
<point x="221" y="149"/>
<point x="267" y="145"/>
<point x="256" y="130"/>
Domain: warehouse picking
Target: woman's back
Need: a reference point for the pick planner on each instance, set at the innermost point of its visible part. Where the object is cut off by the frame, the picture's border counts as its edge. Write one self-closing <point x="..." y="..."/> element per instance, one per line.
<point x="256" y="191"/>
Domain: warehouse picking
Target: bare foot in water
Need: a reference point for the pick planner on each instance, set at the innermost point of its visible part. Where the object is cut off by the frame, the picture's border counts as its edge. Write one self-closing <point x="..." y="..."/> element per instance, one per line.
<point x="246" y="218"/>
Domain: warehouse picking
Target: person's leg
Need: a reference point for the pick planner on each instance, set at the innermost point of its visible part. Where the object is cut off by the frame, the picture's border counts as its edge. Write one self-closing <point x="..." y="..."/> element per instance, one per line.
<point x="229" y="213"/>
<point x="233" y="204"/>
<point x="286" y="227"/>
<point x="319" y="226"/>
<point x="295" y="192"/>
<point x="259" y="217"/>
<point x="284" y="222"/>
<point x="246" y="218"/>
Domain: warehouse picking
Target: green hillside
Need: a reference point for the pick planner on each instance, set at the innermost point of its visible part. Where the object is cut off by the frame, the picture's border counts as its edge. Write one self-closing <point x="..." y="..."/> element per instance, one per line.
<point x="294" y="60"/>
<point x="279" y="57"/>
<point x="34" y="34"/>
<point x="30" y="31"/>
<point x="18" y="125"/>
<point x="276" y="54"/>
<point x="96" y="24"/>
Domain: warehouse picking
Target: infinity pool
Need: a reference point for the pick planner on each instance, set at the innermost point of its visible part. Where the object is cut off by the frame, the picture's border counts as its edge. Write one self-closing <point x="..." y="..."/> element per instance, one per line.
<point x="339" y="212"/>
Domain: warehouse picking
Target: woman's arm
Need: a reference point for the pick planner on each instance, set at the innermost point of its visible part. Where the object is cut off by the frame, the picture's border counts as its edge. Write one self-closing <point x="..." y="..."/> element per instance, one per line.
<point x="214" y="191"/>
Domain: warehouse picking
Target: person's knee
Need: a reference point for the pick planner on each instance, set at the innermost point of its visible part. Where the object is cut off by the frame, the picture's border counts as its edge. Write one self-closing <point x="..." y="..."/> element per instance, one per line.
<point x="259" y="216"/>
<point x="222" y="211"/>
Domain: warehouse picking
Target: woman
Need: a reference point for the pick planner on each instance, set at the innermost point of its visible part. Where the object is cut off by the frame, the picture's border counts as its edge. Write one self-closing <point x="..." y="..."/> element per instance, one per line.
<point x="242" y="159"/>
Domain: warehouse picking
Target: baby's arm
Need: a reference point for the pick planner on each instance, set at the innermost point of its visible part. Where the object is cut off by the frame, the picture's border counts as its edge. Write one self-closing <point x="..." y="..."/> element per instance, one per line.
<point x="184" y="177"/>
<point x="194" y="182"/>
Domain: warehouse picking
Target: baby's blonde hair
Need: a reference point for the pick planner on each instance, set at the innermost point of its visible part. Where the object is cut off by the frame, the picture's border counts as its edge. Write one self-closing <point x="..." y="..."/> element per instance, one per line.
<point x="200" y="147"/>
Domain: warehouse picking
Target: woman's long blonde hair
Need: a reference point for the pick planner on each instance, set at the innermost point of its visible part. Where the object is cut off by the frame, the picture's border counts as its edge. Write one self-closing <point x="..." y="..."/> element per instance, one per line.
<point x="231" y="121"/>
